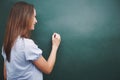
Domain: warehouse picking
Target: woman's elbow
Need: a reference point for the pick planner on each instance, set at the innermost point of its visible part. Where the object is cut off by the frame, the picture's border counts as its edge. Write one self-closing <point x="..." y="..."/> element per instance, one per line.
<point x="48" y="71"/>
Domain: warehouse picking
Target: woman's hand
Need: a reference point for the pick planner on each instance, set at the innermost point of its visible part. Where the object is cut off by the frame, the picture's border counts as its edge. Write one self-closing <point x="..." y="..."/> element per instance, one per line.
<point x="56" y="39"/>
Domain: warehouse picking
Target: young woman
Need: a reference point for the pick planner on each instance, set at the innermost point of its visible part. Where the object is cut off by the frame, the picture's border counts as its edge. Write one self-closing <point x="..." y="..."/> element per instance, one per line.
<point x="23" y="59"/>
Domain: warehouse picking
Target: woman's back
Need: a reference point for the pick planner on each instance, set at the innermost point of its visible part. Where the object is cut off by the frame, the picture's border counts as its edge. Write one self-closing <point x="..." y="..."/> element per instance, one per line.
<point x="20" y="67"/>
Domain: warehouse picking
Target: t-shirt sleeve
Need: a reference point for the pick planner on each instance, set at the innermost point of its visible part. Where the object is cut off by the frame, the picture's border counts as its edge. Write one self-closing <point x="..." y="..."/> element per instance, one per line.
<point x="32" y="52"/>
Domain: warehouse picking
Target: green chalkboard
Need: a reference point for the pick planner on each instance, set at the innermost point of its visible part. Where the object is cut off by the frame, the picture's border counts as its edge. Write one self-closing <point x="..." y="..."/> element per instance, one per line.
<point x="90" y="31"/>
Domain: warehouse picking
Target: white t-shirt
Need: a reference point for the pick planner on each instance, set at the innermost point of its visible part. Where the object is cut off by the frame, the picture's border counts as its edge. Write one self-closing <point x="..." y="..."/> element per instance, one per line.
<point x="20" y="66"/>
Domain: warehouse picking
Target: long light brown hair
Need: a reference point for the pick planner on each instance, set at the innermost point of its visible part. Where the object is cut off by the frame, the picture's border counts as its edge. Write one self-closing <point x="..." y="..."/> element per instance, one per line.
<point x="19" y="22"/>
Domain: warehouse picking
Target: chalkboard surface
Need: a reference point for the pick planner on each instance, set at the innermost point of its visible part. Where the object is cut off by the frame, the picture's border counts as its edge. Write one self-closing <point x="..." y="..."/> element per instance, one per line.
<point x="90" y="31"/>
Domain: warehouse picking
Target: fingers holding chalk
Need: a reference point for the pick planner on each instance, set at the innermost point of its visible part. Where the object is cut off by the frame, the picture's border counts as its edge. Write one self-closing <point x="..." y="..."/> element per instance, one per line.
<point x="56" y="35"/>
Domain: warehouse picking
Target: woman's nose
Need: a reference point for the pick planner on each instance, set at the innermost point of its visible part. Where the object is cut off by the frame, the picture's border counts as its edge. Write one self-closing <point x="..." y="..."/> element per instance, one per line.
<point x="35" y="20"/>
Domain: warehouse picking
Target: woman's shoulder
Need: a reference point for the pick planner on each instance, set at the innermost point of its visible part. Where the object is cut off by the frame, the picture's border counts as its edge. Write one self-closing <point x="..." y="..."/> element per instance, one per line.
<point x="28" y="42"/>
<point x="24" y="40"/>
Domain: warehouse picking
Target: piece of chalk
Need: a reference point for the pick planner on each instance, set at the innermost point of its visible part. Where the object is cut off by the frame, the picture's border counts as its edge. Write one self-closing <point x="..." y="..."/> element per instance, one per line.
<point x="55" y="35"/>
